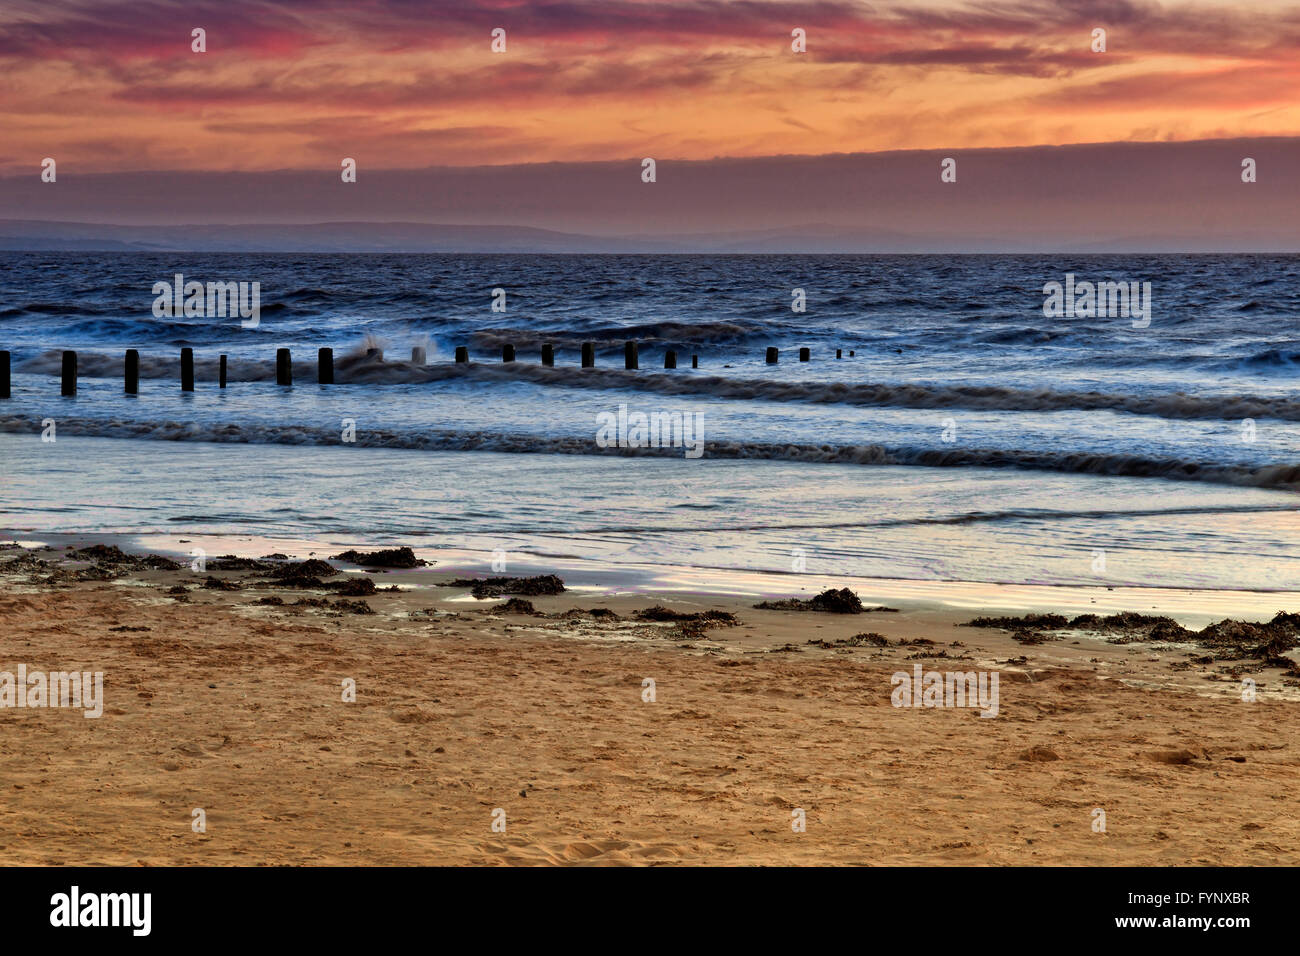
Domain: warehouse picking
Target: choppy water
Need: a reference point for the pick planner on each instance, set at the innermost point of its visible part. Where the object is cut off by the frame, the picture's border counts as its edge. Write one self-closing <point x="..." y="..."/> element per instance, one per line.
<point x="969" y="436"/>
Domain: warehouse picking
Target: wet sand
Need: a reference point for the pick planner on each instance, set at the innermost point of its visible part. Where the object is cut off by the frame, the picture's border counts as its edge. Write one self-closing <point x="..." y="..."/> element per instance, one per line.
<point x="216" y="699"/>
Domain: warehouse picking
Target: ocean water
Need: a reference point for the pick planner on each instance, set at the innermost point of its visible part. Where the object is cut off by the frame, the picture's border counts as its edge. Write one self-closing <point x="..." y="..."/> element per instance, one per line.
<point x="968" y="438"/>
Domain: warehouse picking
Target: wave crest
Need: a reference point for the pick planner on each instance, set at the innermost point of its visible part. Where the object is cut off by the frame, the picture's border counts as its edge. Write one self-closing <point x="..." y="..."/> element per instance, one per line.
<point x="1284" y="477"/>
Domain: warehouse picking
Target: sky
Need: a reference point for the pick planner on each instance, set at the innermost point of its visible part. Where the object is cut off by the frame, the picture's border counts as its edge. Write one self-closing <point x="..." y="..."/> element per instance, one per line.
<point x="113" y="86"/>
<point x="114" y="89"/>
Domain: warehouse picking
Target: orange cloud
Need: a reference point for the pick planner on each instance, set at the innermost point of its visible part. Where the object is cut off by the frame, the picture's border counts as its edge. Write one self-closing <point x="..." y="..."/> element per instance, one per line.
<point x="108" y="86"/>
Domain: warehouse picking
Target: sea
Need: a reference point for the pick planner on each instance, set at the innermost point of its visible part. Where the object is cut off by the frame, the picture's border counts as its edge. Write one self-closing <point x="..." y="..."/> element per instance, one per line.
<point x="943" y="428"/>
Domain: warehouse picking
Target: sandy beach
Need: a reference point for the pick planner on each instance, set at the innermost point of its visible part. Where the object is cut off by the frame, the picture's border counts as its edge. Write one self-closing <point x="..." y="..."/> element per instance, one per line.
<point x="224" y="692"/>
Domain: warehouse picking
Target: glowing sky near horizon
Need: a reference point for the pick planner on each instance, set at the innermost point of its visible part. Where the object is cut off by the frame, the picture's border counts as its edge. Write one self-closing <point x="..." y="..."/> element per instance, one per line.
<point x="114" y="86"/>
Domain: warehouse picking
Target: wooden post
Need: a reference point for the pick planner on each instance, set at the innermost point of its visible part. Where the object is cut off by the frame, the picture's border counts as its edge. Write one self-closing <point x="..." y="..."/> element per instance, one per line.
<point x="221" y="373"/>
<point x="773" y="355"/>
<point x="283" y="368"/>
<point x="69" y="381"/>
<point x="507" y="353"/>
<point x="851" y="353"/>
<point x="670" y="359"/>
<point x="4" y="374"/>
<point x="187" y="370"/>
<point x="418" y="355"/>
<point x="629" y="355"/>
<point x="588" y="355"/>
<point x="548" y="354"/>
<point x="839" y="353"/>
<point x="131" y="374"/>
<point x="695" y="361"/>
<point x="462" y="354"/>
<point x="325" y="367"/>
<point x="804" y="355"/>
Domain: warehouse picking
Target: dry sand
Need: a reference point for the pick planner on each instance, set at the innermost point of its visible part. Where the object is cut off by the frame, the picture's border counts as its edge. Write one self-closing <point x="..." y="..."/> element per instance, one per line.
<point x="219" y="703"/>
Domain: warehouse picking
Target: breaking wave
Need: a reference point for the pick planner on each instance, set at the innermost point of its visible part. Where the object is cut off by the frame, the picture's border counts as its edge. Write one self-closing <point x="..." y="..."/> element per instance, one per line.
<point x="1283" y="477"/>
<point x="356" y="368"/>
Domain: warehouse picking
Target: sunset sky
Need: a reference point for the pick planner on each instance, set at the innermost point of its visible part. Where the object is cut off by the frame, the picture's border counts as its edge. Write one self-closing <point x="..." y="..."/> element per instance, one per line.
<point x="114" y="86"/>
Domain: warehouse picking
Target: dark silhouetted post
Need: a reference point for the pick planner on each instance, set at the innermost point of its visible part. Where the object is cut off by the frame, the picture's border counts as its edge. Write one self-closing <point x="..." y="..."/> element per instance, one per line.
<point x="548" y="354"/>
<point x="187" y="370"/>
<point x="325" y="367"/>
<point x="69" y="383"/>
<point x="695" y="361"/>
<point x="588" y="355"/>
<point x="804" y="355"/>
<point x="507" y="353"/>
<point x="4" y="374"/>
<point x="851" y="353"/>
<point x="221" y="372"/>
<point x="462" y="354"/>
<point x="670" y="359"/>
<point x="283" y="368"/>
<point x="418" y="356"/>
<point x="629" y="355"/>
<point x="131" y="376"/>
<point x="773" y="355"/>
<point x="839" y="353"/>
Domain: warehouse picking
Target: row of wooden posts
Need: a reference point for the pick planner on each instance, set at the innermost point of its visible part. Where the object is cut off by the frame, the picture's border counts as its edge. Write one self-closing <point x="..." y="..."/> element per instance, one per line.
<point x="325" y="364"/>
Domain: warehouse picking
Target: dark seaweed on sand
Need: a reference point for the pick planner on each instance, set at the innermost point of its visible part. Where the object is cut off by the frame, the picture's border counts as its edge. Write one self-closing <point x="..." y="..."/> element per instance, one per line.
<point x="402" y="557"/>
<point x="1027" y="623"/>
<point x="517" y="606"/>
<point x="661" y="613"/>
<point x="114" y="557"/>
<point x="577" y="614"/>
<point x="301" y="574"/>
<point x="108" y="563"/>
<point x="870" y="639"/>
<point x="352" y="607"/>
<point x="501" y="586"/>
<point x="832" y="601"/>
<point x="311" y="568"/>
<point x="356" y="587"/>
<point x="685" y="626"/>
<point x="339" y="606"/>
<point x="218" y="584"/>
<point x="1229" y="639"/>
<point x="228" y="562"/>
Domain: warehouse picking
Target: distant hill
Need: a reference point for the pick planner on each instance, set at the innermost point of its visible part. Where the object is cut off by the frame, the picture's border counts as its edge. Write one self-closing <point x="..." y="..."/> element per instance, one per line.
<point x="405" y="237"/>
<point x="1104" y="197"/>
